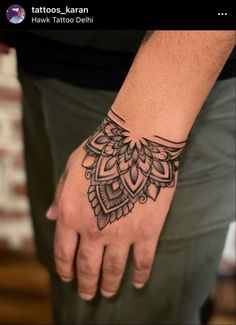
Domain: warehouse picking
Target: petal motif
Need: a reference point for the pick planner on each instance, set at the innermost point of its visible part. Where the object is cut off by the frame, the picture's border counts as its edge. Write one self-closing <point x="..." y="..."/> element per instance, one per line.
<point x="153" y="191"/>
<point x="124" y="170"/>
<point x="133" y="188"/>
<point x="106" y="169"/>
<point x="97" y="146"/>
<point x="88" y="161"/>
<point x="162" y="171"/>
<point x="145" y="164"/>
<point x="124" y="164"/>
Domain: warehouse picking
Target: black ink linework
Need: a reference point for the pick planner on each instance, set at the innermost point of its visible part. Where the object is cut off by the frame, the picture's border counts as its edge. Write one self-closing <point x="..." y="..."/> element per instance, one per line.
<point x="120" y="118"/>
<point x="123" y="170"/>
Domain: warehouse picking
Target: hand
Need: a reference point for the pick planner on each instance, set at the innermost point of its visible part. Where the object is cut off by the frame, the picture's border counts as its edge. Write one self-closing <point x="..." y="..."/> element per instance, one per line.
<point x="115" y="192"/>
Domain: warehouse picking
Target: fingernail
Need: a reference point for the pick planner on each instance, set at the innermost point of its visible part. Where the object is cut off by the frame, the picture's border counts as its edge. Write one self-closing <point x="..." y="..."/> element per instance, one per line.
<point x="48" y="213"/>
<point x="138" y="285"/>
<point x="86" y="296"/>
<point x="66" y="279"/>
<point x="107" y="294"/>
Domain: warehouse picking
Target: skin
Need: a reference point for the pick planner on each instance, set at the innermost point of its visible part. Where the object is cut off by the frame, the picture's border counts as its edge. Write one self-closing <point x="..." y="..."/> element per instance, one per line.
<point x="21" y="12"/>
<point x="168" y="82"/>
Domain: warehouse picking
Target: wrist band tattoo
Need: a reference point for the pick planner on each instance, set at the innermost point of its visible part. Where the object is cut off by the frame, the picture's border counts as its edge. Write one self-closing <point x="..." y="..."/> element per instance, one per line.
<point x="124" y="170"/>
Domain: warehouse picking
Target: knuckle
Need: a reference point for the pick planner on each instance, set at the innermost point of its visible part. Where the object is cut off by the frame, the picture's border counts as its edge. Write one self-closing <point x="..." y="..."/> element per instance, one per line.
<point x="84" y="255"/>
<point x="114" y="259"/>
<point x="110" y="287"/>
<point x="143" y="265"/>
<point x="86" y="271"/>
<point x="62" y="258"/>
<point x="63" y="268"/>
<point x="85" y="267"/>
<point x="61" y="252"/>
<point x="148" y="232"/>
<point x="112" y="269"/>
<point x="93" y="234"/>
<point x="64" y="273"/>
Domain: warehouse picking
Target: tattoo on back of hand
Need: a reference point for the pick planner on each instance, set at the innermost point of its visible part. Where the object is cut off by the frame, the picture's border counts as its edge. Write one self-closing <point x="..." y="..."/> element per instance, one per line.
<point x="124" y="170"/>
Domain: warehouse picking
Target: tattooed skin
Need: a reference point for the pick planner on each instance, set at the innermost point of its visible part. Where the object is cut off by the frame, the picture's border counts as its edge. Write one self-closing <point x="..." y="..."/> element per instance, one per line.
<point x="124" y="170"/>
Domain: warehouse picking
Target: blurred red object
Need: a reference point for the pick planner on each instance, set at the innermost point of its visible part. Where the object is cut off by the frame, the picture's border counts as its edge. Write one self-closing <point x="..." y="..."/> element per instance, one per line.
<point x="4" y="49"/>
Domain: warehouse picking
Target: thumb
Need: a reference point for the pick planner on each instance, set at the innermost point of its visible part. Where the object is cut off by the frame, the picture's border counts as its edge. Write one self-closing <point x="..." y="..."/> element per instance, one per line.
<point x="51" y="213"/>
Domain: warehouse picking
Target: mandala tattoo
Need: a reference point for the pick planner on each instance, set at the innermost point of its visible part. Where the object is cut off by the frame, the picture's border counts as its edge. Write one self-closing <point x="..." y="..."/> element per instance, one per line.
<point x="124" y="170"/>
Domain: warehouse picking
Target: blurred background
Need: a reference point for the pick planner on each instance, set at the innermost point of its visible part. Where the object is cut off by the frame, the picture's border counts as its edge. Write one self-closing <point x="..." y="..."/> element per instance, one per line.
<point x="24" y="292"/>
<point x="24" y="289"/>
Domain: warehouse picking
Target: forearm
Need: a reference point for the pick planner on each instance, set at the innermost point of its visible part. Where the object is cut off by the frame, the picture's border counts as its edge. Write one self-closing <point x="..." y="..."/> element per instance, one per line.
<point x="169" y="81"/>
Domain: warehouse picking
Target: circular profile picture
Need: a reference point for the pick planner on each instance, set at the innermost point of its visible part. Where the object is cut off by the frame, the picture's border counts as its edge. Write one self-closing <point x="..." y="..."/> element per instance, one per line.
<point x="15" y="14"/>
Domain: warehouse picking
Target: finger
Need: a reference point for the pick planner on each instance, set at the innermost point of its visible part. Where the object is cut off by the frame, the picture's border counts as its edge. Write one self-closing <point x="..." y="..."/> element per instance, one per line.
<point x="66" y="242"/>
<point x="89" y="261"/>
<point x="114" y="262"/>
<point x="52" y="211"/>
<point x="144" y="253"/>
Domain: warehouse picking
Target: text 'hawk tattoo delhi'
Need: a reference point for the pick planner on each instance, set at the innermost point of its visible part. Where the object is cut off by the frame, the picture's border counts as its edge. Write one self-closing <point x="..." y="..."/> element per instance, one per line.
<point x="124" y="170"/>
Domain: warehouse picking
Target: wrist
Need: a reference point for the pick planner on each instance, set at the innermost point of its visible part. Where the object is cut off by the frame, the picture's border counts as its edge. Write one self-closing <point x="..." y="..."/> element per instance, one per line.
<point x="125" y="168"/>
<point x="149" y="124"/>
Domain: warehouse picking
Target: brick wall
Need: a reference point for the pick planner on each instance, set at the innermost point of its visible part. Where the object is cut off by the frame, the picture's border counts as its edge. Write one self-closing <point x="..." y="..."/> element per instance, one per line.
<point x="15" y="225"/>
